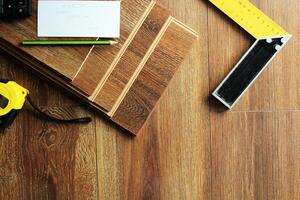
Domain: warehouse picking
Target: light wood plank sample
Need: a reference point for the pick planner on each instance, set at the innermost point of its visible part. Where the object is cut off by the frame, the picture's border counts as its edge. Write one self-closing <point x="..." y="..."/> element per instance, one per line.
<point x="101" y="58"/>
<point x="139" y="39"/>
<point x="64" y="60"/>
<point x="154" y="78"/>
<point x="131" y="59"/>
<point x="185" y="150"/>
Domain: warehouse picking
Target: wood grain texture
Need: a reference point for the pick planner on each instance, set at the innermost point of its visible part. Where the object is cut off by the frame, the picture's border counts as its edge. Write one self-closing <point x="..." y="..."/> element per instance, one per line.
<point x="170" y="157"/>
<point x="286" y="67"/>
<point x="64" y="60"/>
<point x="42" y="160"/>
<point x="260" y="160"/>
<point x="134" y="13"/>
<point x="151" y="82"/>
<point x="131" y="59"/>
<point x="288" y="145"/>
<point x="187" y="149"/>
<point x="102" y="57"/>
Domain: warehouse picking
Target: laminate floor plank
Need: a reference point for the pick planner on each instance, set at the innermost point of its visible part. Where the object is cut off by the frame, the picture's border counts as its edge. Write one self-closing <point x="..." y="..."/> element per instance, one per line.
<point x="170" y="158"/>
<point x="188" y="148"/>
<point x="182" y="115"/>
<point x="151" y="82"/>
<point x="243" y="155"/>
<point x="101" y="58"/>
<point x="44" y="160"/>
<point x="10" y="182"/>
<point x="286" y="67"/>
<point x="255" y="155"/>
<point x="288" y="142"/>
<point x="131" y="59"/>
<point x="134" y="13"/>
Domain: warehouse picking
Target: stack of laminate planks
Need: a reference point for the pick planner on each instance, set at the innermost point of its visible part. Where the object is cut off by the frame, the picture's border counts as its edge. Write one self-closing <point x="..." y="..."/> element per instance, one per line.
<point x="124" y="81"/>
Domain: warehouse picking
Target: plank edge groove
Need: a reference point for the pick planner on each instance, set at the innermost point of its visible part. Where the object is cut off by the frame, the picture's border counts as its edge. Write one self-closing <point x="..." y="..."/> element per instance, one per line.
<point x="122" y="51"/>
<point x="141" y="65"/>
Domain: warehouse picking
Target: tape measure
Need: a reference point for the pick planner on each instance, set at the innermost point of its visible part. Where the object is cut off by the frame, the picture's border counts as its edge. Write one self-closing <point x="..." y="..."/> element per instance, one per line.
<point x="12" y="99"/>
<point x="270" y="39"/>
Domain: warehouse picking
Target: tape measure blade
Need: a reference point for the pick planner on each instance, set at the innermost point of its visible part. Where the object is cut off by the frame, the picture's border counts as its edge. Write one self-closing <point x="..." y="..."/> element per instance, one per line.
<point x="250" y="18"/>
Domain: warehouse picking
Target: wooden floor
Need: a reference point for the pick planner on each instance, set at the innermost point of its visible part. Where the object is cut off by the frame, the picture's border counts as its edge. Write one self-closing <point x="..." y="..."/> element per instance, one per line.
<point x="189" y="148"/>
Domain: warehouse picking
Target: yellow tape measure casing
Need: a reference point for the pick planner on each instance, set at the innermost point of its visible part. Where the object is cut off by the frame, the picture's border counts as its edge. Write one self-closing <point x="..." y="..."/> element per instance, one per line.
<point x="250" y="18"/>
<point x="15" y="94"/>
<point x="12" y="99"/>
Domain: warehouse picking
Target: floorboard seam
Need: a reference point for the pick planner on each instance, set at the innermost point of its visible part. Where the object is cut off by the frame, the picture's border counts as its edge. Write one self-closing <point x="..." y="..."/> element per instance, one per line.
<point x="96" y="149"/>
<point x="264" y="111"/>
<point x="209" y="102"/>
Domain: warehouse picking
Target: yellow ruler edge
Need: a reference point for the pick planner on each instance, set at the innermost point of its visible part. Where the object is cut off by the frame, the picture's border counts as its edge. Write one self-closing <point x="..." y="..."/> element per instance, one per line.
<point x="250" y="18"/>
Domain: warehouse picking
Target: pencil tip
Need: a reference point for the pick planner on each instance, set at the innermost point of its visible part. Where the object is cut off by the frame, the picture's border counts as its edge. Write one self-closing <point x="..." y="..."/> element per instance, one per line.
<point x="113" y="42"/>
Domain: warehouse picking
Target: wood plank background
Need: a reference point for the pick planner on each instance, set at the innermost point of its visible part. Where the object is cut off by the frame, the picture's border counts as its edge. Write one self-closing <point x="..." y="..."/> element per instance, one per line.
<point x="189" y="148"/>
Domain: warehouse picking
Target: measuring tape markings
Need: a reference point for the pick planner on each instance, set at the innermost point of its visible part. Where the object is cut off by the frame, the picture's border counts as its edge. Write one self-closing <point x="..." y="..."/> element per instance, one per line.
<point x="271" y="38"/>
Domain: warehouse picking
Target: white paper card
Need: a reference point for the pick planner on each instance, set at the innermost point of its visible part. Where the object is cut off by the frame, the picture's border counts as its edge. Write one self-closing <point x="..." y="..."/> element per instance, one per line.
<point x="58" y="18"/>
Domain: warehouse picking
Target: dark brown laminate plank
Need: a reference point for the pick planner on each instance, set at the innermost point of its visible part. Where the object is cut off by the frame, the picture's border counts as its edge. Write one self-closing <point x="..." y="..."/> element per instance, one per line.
<point x="101" y="57"/>
<point x="286" y="64"/>
<point x="45" y="160"/>
<point x="129" y="62"/>
<point x="170" y="158"/>
<point x="255" y="155"/>
<point x="154" y="78"/>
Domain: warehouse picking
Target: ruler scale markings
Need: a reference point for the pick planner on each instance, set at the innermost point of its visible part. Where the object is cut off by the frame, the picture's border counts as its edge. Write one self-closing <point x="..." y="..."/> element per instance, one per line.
<point x="270" y="39"/>
<point x="250" y="18"/>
